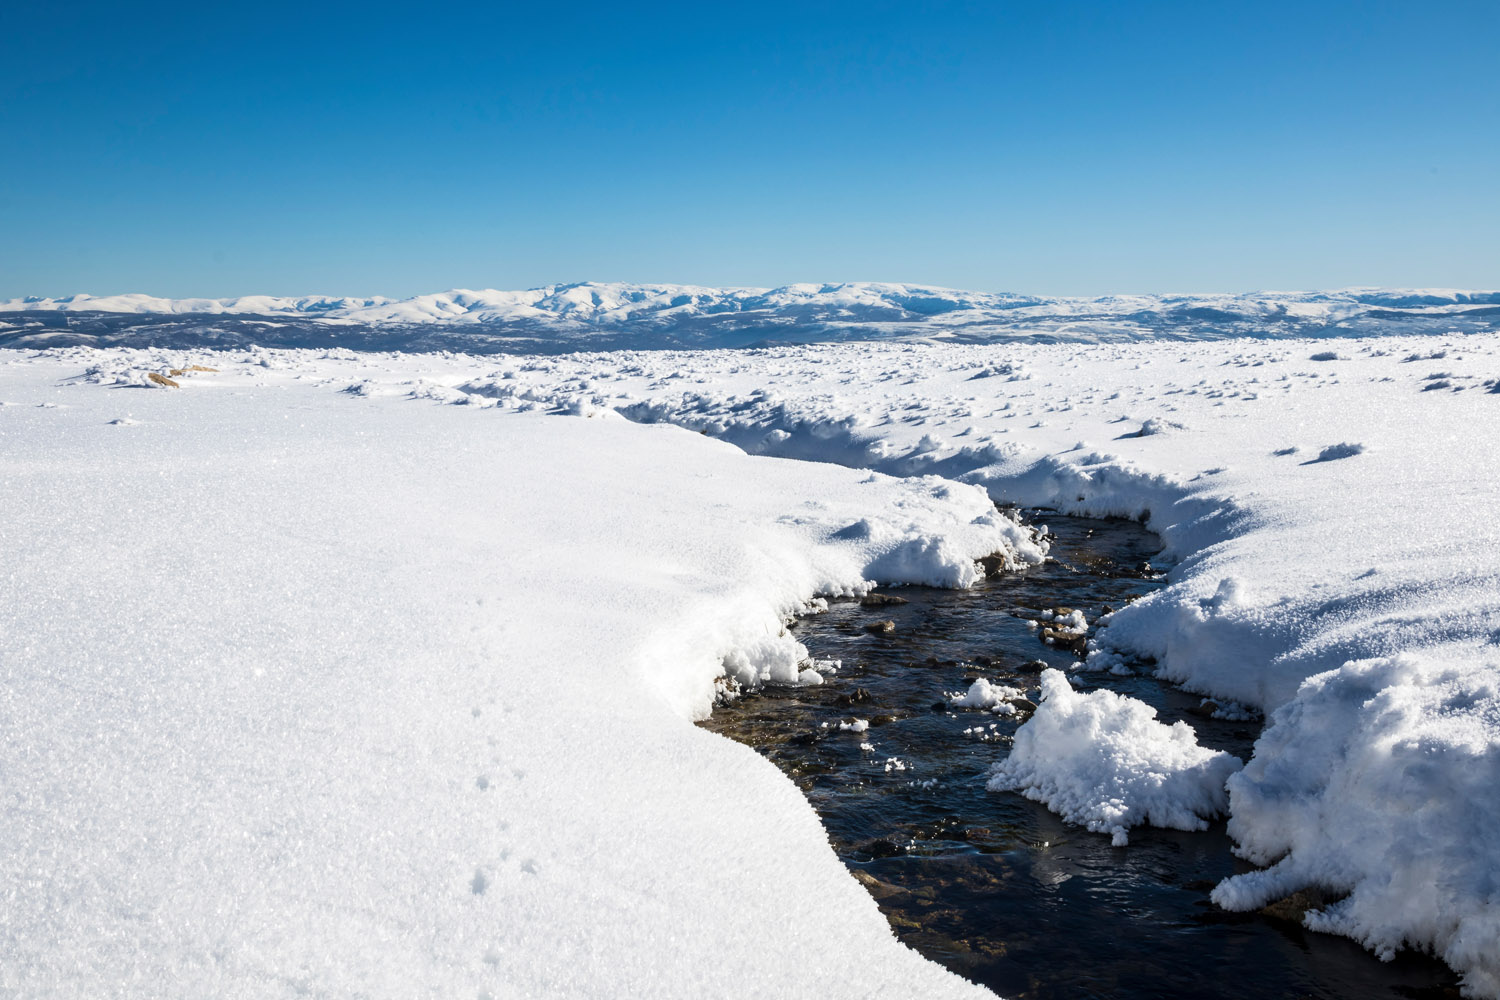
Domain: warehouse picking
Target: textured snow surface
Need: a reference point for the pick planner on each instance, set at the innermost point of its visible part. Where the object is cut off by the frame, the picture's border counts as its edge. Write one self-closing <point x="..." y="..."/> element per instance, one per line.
<point x="1333" y="556"/>
<point x="303" y="692"/>
<point x="1401" y="816"/>
<point x="607" y="316"/>
<point x="1102" y="760"/>
<point x="1317" y="514"/>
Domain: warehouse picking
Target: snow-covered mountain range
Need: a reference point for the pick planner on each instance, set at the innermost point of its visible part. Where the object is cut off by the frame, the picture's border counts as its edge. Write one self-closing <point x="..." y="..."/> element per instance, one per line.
<point x="607" y="316"/>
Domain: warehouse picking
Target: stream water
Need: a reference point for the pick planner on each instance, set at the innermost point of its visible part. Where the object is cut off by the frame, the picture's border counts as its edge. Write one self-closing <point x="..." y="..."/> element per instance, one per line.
<point x="991" y="884"/>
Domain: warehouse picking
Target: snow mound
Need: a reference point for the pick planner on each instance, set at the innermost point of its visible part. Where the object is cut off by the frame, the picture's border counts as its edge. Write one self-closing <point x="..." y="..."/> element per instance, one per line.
<point x="1157" y="425"/>
<point x="1102" y="760"/>
<point x="985" y="694"/>
<point x="1379" y="781"/>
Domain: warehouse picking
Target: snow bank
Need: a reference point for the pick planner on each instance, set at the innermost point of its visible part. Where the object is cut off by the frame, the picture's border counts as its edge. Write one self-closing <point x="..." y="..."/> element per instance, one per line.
<point x="1379" y="781"/>
<point x="1102" y="760"/>
<point x="306" y="692"/>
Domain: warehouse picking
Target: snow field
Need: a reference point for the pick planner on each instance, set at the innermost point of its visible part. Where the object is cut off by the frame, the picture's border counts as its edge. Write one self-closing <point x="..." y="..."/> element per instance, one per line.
<point x="1319" y="513"/>
<point x="312" y="693"/>
<point x="1334" y="559"/>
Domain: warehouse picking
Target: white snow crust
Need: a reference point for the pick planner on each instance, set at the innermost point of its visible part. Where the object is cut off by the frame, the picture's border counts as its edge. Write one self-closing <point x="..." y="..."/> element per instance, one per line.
<point x="1103" y="760"/>
<point x="330" y="517"/>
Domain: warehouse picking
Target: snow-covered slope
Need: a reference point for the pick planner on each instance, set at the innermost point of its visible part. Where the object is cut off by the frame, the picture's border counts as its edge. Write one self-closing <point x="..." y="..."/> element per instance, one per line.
<point x="303" y="693"/>
<point x="592" y="316"/>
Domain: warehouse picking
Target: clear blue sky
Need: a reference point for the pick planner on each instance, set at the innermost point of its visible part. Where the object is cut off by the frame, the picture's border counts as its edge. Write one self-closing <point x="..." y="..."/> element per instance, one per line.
<point x="1067" y="148"/>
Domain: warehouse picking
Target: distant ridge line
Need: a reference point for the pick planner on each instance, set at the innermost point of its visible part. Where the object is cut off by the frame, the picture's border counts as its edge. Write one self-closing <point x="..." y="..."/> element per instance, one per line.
<point x="609" y="316"/>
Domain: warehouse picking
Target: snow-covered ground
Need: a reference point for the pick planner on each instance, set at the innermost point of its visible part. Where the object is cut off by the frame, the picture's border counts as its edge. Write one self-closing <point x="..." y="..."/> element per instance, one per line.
<point x="315" y="680"/>
<point x="306" y="693"/>
<point x="602" y="316"/>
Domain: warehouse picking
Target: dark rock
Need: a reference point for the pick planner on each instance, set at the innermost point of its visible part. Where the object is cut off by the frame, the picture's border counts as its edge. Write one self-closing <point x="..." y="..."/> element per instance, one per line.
<point x="940" y="706"/>
<point x="1032" y="667"/>
<point x="881" y="849"/>
<point x="873" y="600"/>
<point x="993" y="565"/>
<point x="886" y="627"/>
<point x="882" y="720"/>
<point x="877" y="888"/>
<point x="858" y="697"/>
<point x="1074" y="642"/>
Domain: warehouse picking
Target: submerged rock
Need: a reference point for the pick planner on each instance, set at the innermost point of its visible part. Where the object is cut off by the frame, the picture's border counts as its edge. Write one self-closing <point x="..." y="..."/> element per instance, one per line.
<point x="877" y="888"/>
<point x="1074" y="642"/>
<point x="857" y="697"/>
<point x="993" y="565"/>
<point x="873" y="600"/>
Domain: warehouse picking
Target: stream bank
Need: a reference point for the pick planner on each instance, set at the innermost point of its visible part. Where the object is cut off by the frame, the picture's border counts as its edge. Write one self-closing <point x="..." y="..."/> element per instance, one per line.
<point x="991" y="884"/>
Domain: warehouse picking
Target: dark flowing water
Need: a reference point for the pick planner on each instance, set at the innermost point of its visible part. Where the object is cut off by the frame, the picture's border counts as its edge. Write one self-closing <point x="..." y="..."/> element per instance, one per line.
<point x="990" y="884"/>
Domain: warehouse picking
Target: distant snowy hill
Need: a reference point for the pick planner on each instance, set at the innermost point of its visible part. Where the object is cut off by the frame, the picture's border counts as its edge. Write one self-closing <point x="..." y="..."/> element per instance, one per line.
<point x="591" y="316"/>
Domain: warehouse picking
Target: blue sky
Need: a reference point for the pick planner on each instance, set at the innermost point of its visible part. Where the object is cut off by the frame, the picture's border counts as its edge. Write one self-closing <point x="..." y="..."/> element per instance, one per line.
<point x="1062" y="148"/>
